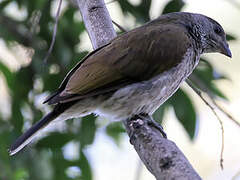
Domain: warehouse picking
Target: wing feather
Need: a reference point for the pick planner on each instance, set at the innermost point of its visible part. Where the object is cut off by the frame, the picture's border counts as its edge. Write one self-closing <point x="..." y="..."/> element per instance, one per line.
<point x="134" y="56"/>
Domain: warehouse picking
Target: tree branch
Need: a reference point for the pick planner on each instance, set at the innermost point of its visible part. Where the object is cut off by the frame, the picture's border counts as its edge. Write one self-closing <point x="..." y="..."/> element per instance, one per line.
<point x="97" y="21"/>
<point x="161" y="156"/>
<point x="54" y="33"/>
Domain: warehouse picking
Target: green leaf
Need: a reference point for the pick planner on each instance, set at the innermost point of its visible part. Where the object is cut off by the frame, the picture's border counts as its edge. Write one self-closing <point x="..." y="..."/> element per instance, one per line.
<point x="23" y="82"/>
<point x="3" y="4"/>
<point x="55" y="140"/>
<point x="140" y="12"/>
<point x="114" y="130"/>
<point x="85" y="167"/>
<point x="173" y="6"/>
<point x="5" y="138"/>
<point x="143" y="9"/>
<point x="210" y="72"/>
<point x="17" y="118"/>
<point x="21" y="174"/>
<point x="204" y="77"/>
<point x="87" y="130"/>
<point x="7" y="74"/>
<point x="70" y="34"/>
<point x="230" y="37"/>
<point x="127" y="7"/>
<point x="185" y="112"/>
<point x="60" y="165"/>
<point x="51" y="81"/>
<point x="159" y="113"/>
<point x="216" y="91"/>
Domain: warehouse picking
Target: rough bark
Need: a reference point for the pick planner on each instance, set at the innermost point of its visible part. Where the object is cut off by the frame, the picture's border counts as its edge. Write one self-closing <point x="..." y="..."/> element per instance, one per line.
<point x="161" y="156"/>
<point x="97" y="21"/>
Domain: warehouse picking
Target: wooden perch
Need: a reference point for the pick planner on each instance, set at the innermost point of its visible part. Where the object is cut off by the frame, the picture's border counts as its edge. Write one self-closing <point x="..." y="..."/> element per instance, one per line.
<point x="161" y="156"/>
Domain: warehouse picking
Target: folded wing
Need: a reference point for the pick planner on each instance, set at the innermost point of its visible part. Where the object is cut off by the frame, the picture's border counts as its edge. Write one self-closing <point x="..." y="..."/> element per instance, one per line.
<point x="134" y="56"/>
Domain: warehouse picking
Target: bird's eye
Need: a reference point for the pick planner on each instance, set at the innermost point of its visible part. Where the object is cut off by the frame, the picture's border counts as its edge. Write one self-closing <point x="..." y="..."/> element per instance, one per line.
<point x="218" y="30"/>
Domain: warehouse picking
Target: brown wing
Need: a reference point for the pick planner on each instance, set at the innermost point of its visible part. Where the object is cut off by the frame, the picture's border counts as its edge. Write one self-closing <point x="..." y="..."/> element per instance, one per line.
<point x="70" y="73"/>
<point x="134" y="56"/>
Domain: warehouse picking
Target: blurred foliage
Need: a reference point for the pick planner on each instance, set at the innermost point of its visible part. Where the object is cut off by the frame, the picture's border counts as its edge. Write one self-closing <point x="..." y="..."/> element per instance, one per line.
<point x="173" y="6"/>
<point x="114" y="130"/>
<point x="46" y="159"/>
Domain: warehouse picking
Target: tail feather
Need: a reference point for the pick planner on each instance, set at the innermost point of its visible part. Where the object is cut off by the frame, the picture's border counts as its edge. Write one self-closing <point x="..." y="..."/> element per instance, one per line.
<point x="28" y="136"/>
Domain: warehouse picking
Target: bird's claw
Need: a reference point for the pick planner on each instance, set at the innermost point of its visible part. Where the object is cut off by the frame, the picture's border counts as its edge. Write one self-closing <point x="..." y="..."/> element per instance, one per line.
<point x="153" y="123"/>
<point x="137" y="122"/>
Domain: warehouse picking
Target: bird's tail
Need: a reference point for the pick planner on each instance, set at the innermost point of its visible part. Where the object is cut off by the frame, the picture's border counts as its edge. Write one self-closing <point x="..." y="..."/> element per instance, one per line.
<point x="28" y="136"/>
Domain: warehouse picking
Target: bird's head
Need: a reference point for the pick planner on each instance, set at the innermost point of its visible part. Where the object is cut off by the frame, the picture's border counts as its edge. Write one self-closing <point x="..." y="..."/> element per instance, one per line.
<point x="209" y="34"/>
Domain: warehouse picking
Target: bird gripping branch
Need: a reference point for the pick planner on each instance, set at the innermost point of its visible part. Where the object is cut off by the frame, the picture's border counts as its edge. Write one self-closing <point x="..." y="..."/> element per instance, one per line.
<point x="134" y="73"/>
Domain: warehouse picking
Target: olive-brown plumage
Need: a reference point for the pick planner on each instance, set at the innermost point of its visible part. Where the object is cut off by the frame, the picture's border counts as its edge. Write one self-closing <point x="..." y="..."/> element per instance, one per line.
<point x="136" y="72"/>
<point x="123" y="62"/>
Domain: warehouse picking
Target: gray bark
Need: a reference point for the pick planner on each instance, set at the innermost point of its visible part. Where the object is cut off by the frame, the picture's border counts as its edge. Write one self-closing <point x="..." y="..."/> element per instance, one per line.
<point x="161" y="156"/>
<point x="97" y="21"/>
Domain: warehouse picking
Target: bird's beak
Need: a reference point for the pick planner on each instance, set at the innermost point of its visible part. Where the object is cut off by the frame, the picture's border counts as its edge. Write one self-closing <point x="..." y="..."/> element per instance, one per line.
<point x="225" y="49"/>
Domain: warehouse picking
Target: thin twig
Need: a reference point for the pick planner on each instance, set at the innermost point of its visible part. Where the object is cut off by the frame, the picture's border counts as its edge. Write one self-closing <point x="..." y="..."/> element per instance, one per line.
<point x="225" y="112"/>
<point x="111" y="2"/>
<point x="119" y="26"/>
<point x="236" y="176"/>
<point x="211" y="97"/>
<point x="54" y="33"/>
<point x="199" y="93"/>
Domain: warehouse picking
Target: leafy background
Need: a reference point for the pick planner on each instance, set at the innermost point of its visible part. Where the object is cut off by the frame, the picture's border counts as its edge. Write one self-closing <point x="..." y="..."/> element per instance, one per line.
<point x="32" y="34"/>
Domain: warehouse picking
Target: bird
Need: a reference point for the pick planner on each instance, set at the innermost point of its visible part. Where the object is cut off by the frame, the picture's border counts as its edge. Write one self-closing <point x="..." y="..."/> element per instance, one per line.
<point x="135" y="73"/>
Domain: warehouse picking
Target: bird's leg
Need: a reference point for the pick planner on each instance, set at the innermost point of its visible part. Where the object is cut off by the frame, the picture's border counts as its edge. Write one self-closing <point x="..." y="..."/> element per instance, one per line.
<point x="153" y="123"/>
<point x="137" y="121"/>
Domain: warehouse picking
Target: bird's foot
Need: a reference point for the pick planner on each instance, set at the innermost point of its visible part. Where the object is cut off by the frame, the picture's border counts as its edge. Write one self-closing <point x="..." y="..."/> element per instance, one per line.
<point x="136" y="123"/>
<point x="138" y="120"/>
<point x="153" y="123"/>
